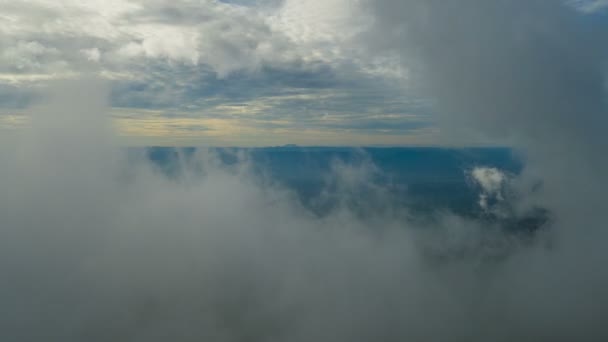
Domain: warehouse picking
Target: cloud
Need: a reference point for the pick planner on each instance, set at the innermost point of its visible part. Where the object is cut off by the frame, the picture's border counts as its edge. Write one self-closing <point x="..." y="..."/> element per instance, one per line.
<point x="530" y="73"/>
<point x="492" y="182"/>
<point x="168" y="56"/>
<point x="12" y="97"/>
<point x="491" y="73"/>
<point x="97" y="244"/>
<point x="223" y="36"/>
<point x="589" y="6"/>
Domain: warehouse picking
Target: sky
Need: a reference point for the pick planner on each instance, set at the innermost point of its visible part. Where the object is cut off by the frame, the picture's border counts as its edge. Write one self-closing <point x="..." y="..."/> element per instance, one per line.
<point x="214" y="73"/>
<point x="227" y="73"/>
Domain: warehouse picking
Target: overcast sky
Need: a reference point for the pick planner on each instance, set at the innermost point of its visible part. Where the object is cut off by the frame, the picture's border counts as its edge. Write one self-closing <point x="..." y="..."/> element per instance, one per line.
<point x="233" y="72"/>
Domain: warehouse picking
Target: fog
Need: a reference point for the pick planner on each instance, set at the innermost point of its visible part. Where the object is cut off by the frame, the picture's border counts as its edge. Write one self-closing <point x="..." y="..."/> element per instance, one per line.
<point x="97" y="244"/>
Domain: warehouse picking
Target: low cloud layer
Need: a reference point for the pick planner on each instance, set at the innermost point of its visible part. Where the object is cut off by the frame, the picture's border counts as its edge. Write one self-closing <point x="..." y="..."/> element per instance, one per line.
<point x="100" y="245"/>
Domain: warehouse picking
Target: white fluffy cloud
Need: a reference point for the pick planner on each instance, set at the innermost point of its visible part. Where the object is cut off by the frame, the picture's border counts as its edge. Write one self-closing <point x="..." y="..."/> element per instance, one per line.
<point x="46" y="37"/>
<point x="493" y="184"/>
<point x="40" y="36"/>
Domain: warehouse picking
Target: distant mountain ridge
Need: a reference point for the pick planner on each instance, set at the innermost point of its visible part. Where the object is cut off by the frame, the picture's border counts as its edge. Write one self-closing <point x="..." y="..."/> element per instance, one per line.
<point x="431" y="178"/>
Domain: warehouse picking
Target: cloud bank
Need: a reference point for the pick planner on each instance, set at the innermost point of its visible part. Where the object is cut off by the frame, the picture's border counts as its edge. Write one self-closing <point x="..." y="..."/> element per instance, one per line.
<point x="98" y="245"/>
